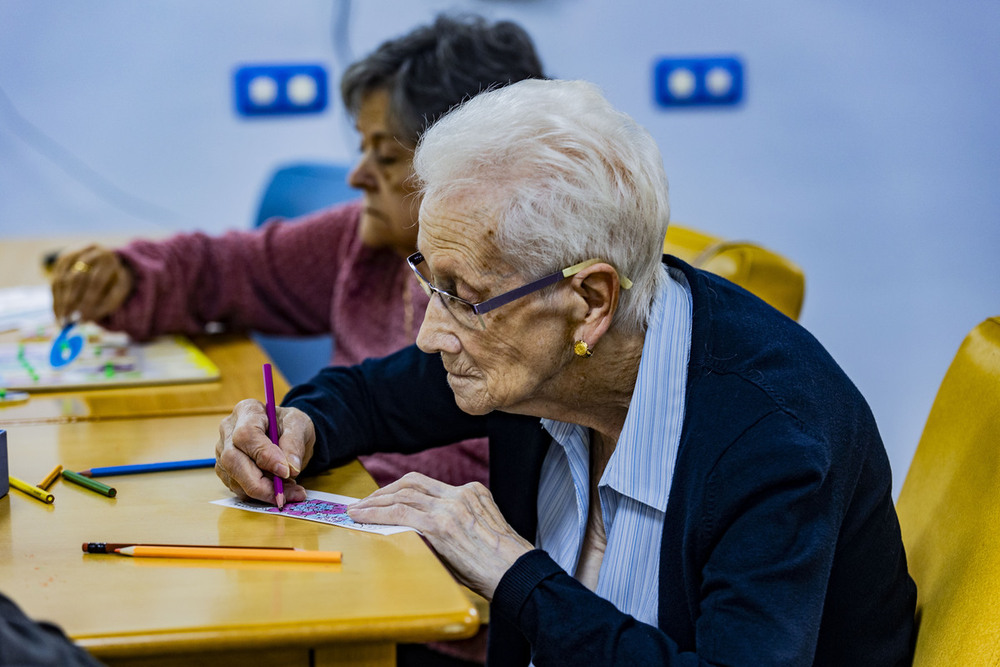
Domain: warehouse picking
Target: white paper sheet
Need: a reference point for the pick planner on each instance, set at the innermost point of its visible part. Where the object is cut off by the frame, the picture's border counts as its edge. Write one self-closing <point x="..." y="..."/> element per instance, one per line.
<point x="321" y="507"/>
<point x="25" y="307"/>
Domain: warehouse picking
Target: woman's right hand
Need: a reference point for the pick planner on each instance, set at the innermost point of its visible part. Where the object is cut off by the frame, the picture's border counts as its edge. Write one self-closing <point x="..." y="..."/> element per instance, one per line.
<point x="90" y="283"/>
<point x="247" y="461"/>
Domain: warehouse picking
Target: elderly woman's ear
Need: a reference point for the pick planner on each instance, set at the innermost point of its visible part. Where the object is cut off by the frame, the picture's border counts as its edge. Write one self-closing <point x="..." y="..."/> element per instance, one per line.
<point x="596" y="291"/>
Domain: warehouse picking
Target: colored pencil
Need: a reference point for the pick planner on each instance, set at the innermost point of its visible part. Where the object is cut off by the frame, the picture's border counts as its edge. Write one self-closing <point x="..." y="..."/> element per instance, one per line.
<point x="88" y="483"/>
<point x="111" y="547"/>
<point x="33" y="491"/>
<point x="272" y="428"/>
<point x="215" y="553"/>
<point x="135" y="468"/>
<point x="50" y="478"/>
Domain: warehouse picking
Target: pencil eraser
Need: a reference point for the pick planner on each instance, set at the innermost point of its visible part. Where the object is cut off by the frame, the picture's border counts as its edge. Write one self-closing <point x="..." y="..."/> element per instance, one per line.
<point x="4" y="470"/>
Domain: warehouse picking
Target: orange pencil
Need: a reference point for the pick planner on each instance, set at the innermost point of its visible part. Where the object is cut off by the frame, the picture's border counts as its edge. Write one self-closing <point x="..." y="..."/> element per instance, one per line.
<point x="224" y="553"/>
<point x="51" y="477"/>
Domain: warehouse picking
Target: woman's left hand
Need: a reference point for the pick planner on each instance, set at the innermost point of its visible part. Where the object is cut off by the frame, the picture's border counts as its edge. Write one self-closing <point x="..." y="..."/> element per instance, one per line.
<point x="462" y="523"/>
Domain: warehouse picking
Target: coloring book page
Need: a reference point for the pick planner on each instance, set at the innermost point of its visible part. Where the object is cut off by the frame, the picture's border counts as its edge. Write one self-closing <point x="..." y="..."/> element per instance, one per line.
<point x="100" y="359"/>
<point x="319" y="506"/>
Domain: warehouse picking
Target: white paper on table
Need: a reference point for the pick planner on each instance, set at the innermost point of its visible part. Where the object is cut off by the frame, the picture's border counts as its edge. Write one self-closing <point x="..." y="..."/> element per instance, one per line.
<point x="321" y="507"/>
<point x="25" y="307"/>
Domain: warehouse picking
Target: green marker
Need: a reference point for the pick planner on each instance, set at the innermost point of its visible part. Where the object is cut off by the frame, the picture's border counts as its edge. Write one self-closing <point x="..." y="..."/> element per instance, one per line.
<point x="77" y="478"/>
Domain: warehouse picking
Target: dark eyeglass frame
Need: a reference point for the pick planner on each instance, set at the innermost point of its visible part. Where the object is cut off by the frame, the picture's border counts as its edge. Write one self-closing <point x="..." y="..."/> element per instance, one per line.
<point x="483" y="307"/>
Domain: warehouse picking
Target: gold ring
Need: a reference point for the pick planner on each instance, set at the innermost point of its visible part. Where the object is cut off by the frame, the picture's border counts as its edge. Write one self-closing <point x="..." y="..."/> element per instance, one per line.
<point x="81" y="266"/>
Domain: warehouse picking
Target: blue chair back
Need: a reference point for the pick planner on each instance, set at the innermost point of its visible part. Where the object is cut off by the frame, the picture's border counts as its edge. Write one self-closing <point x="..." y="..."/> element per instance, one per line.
<point x="300" y="188"/>
<point x="292" y="191"/>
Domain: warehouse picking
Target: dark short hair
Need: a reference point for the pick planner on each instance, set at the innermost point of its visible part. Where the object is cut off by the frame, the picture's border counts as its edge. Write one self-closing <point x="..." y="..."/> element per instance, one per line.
<point x="437" y="66"/>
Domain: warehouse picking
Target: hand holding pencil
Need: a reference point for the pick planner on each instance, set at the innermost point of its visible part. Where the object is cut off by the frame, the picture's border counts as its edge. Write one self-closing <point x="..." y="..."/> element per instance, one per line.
<point x="246" y="459"/>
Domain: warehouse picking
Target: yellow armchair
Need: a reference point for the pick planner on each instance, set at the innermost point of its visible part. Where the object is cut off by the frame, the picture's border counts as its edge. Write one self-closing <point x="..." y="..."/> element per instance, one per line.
<point x="774" y="278"/>
<point x="949" y="511"/>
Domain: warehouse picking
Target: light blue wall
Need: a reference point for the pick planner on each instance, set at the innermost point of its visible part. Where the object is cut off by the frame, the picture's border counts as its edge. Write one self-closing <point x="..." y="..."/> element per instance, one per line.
<point x="868" y="147"/>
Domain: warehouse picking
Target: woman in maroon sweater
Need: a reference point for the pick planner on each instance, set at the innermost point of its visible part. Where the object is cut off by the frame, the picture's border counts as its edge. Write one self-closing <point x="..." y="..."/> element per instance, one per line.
<point x="340" y="270"/>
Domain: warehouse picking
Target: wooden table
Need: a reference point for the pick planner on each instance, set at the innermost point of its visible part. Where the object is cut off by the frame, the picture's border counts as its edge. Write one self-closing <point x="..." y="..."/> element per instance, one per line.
<point x="150" y="612"/>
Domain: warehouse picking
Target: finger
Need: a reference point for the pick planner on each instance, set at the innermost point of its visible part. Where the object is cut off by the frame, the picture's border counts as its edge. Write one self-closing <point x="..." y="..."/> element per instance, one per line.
<point x="296" y="438"/>
<point x="237" y="470"/>
<point x="98" y="283"/>
<point x="118" y="294"/>
<point x="95" y="285"/>
<point x="221" y="445"/>
<point x="415" y="502"/>
<point x="294" y="492"/>
<point x="249" y="435"/>
<point x="237" y="466"/>
<point x="442" y="512"/>
<point x="90" y="291"/>
<point x="228" y="481"/>
<point x="62" y="284"/>
<point x="411" y="480"/>
<point x="225" y="437"/>
<point x="80" y="279"/>
<point x="395" y="514"/>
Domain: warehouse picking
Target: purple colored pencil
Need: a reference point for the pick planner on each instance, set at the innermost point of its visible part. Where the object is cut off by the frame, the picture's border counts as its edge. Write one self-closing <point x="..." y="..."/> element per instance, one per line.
<point x="272" y="427"/>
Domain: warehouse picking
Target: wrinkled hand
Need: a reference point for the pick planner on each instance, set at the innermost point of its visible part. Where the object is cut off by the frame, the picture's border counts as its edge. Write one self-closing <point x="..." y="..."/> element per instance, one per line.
<point x="462" y="523"/>
<point x="246" y="460"/>
<point x="93" y="282"/>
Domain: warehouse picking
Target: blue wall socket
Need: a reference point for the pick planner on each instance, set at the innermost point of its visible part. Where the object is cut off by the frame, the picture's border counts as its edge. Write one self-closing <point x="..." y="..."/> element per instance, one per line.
<point x="268" y="90"/>
<point x="698" y="81"/>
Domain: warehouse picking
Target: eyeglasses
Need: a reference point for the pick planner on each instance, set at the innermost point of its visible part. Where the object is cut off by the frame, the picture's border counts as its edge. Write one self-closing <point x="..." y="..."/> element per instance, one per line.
<point x="471" y="314"/>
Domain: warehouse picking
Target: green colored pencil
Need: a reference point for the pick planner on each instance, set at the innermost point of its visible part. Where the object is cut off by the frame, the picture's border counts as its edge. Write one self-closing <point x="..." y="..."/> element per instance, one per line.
<point x="91" y="484"/>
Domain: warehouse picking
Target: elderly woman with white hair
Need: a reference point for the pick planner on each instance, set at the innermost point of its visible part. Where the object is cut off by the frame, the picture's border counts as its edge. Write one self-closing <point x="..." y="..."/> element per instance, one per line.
<point x="679" y="473"/>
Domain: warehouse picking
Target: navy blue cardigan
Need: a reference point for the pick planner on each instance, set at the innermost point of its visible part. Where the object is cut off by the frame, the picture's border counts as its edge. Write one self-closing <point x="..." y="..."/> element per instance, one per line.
<point x="780" y="541"/>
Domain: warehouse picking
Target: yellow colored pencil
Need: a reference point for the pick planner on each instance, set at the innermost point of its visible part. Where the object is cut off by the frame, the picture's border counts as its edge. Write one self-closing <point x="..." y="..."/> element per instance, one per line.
<point x="33" y="491"/>
<point x="50" y="478"/>
<point x="228" y="553"/>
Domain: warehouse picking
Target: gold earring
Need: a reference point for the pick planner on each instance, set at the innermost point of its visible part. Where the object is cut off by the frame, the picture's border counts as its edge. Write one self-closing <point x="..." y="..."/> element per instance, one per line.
<point x="581" y="349"/>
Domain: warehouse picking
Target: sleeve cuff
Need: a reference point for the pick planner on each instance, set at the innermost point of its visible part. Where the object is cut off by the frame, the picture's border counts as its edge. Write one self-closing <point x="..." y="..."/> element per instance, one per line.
<point x="518" y="583"/>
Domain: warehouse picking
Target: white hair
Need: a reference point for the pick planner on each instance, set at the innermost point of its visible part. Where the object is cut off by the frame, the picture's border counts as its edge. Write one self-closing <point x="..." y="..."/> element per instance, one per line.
<point x="564" y="175"/>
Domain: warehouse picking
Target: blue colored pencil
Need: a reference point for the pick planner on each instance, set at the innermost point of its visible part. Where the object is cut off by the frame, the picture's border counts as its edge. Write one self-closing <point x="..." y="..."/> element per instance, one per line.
<point x="148" y="467"/>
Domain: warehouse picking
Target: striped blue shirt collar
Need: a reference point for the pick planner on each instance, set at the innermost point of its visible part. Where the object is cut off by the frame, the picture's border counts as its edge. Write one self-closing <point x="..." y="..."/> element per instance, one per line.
<point x="636" y="482"/>
<point x="656" y="410"/>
